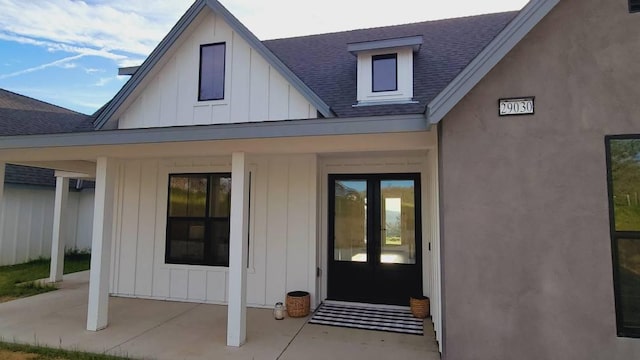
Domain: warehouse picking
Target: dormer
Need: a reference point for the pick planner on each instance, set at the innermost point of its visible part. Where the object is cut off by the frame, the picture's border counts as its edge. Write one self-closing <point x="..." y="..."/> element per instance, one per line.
<point x="385" y="70"/>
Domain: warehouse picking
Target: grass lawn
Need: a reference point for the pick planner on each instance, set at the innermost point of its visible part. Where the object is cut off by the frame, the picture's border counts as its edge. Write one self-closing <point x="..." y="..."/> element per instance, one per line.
<point x="9" y="351"/>
<point x="17" y="281"/>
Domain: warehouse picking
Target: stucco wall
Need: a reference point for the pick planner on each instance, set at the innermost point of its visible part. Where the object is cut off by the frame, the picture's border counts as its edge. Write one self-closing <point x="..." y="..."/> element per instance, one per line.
<point x="527" y="254"/>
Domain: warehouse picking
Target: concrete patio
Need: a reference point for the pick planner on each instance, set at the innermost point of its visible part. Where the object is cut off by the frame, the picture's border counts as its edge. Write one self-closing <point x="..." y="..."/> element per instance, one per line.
<point x="150" y="329"/>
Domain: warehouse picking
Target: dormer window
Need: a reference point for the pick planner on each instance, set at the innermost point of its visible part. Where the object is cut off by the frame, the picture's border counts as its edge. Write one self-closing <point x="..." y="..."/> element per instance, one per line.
<point x="385" y="70"/>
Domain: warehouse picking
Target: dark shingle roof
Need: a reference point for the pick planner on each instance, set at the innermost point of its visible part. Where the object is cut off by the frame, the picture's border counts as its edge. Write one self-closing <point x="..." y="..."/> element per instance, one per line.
<point x="325" y="65"/>
<point x="22" y="115"/>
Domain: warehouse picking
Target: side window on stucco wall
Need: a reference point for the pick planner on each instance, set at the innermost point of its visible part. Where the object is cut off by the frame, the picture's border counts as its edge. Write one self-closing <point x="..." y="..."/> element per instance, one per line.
<point x="623" y="171"/>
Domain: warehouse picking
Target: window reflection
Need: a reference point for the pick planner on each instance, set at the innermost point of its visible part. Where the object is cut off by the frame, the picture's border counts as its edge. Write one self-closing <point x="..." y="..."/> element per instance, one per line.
<point x="350" y="227"/>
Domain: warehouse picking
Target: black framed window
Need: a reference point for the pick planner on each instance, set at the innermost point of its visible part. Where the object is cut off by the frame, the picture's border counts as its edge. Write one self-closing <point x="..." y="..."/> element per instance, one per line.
<point x="623" y="172"/>
<point x="634" y="6"/>
<point x="212" y="65"/>
<point x="384" y="72"/>
<point x="198" y="217"/>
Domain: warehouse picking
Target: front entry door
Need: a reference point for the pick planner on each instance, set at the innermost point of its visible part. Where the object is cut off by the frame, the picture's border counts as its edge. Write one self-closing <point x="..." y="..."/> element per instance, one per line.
<point x="374" y="238"/>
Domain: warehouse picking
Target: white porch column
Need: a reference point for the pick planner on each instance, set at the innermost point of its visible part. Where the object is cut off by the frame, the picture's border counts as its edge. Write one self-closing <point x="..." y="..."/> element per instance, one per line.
<point x="101" y="244"/>
<point x="59" y="236"/>
<point x="238" y="245"/>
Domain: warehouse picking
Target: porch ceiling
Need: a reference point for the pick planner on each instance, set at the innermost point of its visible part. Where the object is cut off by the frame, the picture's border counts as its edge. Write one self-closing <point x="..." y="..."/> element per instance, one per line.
<point x="78" y="158"/>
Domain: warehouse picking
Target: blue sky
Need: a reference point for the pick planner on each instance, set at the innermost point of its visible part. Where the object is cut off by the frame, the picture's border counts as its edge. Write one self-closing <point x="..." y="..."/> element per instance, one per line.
<point x="67" y="52"/>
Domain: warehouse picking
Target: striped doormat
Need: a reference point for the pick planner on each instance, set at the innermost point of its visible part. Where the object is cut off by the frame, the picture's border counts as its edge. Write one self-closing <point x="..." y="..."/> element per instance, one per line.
<point x="368" y="317"/>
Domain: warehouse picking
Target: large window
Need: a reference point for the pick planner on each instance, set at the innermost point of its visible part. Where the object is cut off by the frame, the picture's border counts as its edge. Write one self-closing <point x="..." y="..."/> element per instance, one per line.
<point x="198" y="219"/>
<point x="623" y="170"/>
<point x="385" y="72"/>
<point x="211" y="72"/>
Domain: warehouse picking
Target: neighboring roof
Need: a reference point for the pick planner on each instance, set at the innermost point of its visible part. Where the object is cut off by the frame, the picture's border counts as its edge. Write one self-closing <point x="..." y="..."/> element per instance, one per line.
<point x="175" y="33"/>
<point x="22" y="115"/>
<point x="324" y="63"/>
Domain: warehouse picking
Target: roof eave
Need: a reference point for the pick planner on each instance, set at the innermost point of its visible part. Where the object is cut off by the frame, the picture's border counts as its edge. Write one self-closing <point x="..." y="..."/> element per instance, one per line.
<point x="489" y="57"/>
<point x="253" y="130"/>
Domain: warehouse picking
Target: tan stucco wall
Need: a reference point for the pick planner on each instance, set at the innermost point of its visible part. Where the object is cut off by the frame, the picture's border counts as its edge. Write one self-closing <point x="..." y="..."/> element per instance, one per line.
<point x="527" y="254"/>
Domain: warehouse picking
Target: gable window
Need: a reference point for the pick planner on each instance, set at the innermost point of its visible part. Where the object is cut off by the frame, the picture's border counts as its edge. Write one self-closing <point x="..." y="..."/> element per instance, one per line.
<point x="212" y="58"/>
<point x="634" y="6"/>
<point x="623" y="172"/>
<point x="198" y="219"/>
<point x="384" y="72"/>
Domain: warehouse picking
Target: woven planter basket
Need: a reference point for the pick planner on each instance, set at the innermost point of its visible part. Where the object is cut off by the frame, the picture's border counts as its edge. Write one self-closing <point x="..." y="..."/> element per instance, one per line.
<point x="298" y="303"/>
<point x="419" y="307"/>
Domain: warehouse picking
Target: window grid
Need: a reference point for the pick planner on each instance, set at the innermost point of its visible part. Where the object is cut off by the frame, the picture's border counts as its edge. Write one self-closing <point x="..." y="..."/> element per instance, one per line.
<point x="623" y="160"/>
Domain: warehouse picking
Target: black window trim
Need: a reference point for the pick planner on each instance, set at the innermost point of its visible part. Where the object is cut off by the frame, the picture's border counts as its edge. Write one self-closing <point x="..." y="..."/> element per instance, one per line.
<point x="634" y="6"/>
<point x="621" y="330"/>
<point x="383" y="57"/>
<point x="167" y="259"/>
<point x="224" y="71"/>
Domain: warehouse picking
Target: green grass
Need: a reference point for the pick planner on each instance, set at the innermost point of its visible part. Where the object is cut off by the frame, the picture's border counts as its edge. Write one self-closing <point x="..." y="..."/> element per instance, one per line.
<point x="627" y="218"/>
<point x="46" y="353"/>
<point x="17" y="281"/>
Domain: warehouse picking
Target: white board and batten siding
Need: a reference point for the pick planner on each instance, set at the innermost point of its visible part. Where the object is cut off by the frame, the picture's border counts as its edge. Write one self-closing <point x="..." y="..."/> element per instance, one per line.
<point x="26" y="224"/>
<point x="253" y="89"/>
<point x="282" y="233"/>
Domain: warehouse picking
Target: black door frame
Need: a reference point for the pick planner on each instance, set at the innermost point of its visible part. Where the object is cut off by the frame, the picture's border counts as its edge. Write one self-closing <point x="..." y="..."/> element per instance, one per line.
<point x="335" y="269"/>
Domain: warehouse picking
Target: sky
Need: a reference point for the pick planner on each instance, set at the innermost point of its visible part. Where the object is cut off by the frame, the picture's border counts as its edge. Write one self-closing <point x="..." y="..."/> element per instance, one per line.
<point x="67" y="52"/>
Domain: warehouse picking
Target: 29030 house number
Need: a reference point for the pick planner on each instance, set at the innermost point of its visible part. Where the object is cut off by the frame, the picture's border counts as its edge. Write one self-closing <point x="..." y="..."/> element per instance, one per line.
<point x="519" y="106"/>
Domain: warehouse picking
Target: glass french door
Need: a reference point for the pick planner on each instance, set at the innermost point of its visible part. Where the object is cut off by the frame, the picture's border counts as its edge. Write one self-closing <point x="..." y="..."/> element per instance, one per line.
<point x="374" y="238"/>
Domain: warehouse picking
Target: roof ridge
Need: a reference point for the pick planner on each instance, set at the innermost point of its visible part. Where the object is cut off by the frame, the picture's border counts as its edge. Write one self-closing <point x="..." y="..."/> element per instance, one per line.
<point x="393" y="26"/>
<point x="43" y="102"/>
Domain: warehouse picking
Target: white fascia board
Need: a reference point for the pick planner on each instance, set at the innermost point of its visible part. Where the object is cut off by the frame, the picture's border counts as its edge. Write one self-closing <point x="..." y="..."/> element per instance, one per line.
<point x="492" y="54"/>
<point x="262" y="130"/>
<point x="412" y="41"/>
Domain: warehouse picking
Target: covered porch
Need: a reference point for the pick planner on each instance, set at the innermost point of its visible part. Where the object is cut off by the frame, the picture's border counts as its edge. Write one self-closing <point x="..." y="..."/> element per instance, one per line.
<point x="154" y="329"/>
<point x="278" y="207"/>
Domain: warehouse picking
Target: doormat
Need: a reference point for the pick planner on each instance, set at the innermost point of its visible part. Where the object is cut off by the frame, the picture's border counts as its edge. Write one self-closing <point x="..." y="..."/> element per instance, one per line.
<point x="361" y="316"/>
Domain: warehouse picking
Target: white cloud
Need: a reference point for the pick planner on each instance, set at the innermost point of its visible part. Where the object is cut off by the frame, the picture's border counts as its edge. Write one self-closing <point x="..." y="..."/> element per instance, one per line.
<point x="67" y="65"/>
<point x="93" y="70"/>
<point x="59" y="63"/>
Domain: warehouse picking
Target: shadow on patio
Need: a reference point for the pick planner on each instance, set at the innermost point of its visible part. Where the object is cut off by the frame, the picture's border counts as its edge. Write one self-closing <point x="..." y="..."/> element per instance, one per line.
<point x="153" y="329"/>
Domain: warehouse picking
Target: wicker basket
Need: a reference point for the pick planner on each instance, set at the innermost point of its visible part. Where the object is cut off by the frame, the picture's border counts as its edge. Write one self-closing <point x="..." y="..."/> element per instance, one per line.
<point x="419" y="306"/>
<point x="298" y="303"/>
